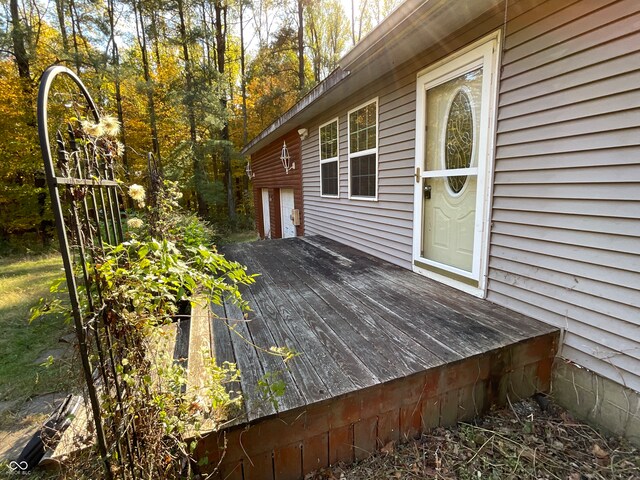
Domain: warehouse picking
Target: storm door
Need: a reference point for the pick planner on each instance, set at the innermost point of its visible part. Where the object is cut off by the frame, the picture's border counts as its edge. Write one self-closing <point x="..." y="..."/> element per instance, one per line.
<point x="453" y="158"/>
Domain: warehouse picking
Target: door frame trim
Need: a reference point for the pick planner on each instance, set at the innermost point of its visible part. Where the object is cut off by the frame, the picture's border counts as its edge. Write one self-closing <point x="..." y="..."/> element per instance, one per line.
<point x="266" y="233"/>
<point x="282" y="214"/>
<point x="486" y="53"/>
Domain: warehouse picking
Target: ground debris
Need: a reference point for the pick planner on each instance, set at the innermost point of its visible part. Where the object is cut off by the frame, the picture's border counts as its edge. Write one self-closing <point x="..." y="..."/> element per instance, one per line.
<point x="528" y="440"/>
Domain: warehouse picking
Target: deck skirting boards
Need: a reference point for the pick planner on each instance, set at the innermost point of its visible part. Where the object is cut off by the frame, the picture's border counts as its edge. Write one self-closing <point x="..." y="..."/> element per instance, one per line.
<point x="288" y="445"/>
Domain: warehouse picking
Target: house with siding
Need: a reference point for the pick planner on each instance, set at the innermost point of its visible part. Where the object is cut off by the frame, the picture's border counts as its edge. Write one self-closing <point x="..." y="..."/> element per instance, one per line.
<point x="493" y="146"/>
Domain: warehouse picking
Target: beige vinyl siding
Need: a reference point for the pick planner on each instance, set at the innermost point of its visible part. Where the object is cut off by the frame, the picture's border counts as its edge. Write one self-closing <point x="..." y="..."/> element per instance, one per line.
<point x="565" y="241"/>
<point x="383" y="228"/>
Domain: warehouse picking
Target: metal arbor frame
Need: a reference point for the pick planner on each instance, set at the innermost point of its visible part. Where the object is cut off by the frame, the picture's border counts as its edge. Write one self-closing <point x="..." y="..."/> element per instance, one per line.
<point x="86" y="207"/>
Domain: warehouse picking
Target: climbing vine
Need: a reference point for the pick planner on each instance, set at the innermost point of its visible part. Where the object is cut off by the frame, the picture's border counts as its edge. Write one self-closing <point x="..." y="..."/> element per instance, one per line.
<point x="135" y="291"/>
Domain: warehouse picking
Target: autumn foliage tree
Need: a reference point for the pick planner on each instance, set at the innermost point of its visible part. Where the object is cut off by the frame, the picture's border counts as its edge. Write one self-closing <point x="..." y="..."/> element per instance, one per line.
<point x="189" y="80"/>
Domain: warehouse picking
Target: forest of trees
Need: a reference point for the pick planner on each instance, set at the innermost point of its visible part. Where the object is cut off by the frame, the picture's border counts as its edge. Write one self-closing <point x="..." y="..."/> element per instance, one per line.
<point x="189" y="80"/>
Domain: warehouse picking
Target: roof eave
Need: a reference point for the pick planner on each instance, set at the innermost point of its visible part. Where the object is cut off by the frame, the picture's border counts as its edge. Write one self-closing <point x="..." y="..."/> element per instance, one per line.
<point x="445" y="16"/>
<point x="335" y="77"/>
<point x="289" y="116"/>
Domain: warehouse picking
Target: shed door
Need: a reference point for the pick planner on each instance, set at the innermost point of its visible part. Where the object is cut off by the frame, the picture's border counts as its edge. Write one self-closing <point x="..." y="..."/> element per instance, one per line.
<point x="266" y="220"/>
<point x="454" y="108"/>
<point x="286" y="209"/>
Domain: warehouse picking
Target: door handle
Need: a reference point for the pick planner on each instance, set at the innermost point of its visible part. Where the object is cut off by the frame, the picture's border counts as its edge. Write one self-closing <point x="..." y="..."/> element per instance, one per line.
<point x="427" y="192"/>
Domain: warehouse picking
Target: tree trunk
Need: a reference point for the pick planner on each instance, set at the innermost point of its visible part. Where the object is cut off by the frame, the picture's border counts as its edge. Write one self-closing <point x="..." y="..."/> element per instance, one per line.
<point x="243" y="80"/>
<point x="151" y="107"/>
<point x="301" y="85"/>
<point x="74" y="36"/>
<point x="19" y="40"/>
<point x="221" y="48"/>
<point x="206" y="34"/>
<point x="19" y="44"/>
<point x="198" y="170"/>
<point x="156" y="36"/>
<point x="316" y="48"/>
<point x="363" y="9"/>
<point x="115" y="60"/>
<point x="353" y="22"/>
<point x="208" y="18"/>
<point x="61" y="23"/>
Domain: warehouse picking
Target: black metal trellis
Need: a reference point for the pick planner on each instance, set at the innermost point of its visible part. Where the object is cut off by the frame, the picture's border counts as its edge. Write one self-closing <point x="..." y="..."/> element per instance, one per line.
<point x="85" y="202"/>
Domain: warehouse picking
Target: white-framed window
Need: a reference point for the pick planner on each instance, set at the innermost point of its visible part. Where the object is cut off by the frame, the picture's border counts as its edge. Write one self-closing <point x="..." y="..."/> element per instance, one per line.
<point x="362" y="123"/>
<point x="328" y="134"/>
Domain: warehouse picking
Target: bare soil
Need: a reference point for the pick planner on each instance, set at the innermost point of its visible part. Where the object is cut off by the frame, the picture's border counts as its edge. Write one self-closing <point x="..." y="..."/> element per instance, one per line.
<point x="533" y="439"/>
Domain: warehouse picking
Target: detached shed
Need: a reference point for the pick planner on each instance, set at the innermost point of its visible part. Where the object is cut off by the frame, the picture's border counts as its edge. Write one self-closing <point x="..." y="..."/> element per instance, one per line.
<point x="276" y="171"/>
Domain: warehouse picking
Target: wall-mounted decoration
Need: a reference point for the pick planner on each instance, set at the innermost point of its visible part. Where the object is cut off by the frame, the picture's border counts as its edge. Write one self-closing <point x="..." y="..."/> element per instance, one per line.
<point x="286" y="159"/>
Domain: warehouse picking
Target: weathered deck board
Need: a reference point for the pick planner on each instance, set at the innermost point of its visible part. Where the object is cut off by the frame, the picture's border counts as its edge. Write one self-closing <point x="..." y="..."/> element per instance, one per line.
<point x="394" y="327"/>
<point x="384" y="355"/>
<point x="220" y="336"/>
<point x="181" y="348"/>
<point x="454" y="300"/>
<point x="310" y="307"/>
<point x="295" y="327"/>
<point x="364" y="341"/>
<point x="362" y="317"/>
<point x="247" y="360"/>
<point x="356" y="320"/>
<point x="275" y="370"/>
<point x="199" y="346"/>
<point x="436" y="323"/>
<point x="307" y="380"/>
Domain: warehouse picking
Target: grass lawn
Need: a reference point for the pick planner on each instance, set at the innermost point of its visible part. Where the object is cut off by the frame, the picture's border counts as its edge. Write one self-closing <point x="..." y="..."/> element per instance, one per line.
<point x="25" y="346"/>
<point x="240" y="237"/>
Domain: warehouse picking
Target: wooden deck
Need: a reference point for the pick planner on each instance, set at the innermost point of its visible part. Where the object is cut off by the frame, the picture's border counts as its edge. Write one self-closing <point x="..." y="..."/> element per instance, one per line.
<point x="384" y="354"/>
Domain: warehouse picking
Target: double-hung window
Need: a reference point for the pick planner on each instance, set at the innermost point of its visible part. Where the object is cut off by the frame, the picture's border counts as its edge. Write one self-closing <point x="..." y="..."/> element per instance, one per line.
<point x="363" y="151"/>
<point x="329" y="165"/>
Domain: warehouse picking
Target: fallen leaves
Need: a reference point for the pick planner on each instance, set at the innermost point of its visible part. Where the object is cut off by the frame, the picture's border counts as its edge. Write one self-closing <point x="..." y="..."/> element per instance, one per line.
<point x="553" y="446"/>
<point x="388" y="448"/>
<point x="599" y="452"/>
<point x="602" y="456"/>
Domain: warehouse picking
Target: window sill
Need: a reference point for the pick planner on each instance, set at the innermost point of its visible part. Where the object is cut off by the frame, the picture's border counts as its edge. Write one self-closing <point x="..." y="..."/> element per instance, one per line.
<point x="365" y="199"/>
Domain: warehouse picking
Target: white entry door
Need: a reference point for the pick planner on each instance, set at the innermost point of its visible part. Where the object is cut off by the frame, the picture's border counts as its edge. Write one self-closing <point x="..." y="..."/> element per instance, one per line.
<point x="266" y="219"/>
<point x="286" y="212"/>
<point x="454" y="136"/>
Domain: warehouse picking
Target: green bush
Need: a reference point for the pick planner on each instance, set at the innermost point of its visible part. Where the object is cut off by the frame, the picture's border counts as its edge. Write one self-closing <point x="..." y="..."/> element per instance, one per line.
<point x="136" y="286"/>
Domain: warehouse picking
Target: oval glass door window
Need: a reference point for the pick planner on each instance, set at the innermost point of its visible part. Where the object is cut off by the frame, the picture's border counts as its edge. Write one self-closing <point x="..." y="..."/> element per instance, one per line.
<point x="459" y="138"/>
